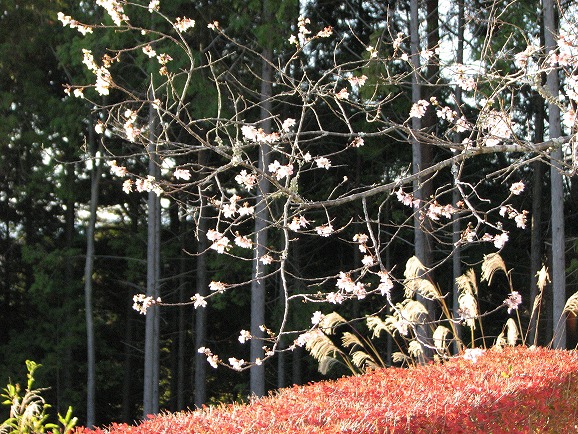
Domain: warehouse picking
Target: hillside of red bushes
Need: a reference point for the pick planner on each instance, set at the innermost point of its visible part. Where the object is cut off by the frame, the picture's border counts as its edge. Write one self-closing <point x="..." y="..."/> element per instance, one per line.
<point x="513" y="390"/>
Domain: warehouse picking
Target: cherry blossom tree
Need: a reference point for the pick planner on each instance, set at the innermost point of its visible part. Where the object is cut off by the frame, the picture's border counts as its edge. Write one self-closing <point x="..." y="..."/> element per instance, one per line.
<point x="281" y="145"/>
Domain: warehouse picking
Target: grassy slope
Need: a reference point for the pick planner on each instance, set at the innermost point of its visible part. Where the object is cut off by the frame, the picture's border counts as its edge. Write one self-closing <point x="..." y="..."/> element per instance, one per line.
<point x="514" y="390"/>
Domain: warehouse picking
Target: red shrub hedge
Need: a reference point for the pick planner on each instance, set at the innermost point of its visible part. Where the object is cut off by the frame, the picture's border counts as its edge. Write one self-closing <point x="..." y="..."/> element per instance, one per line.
<point x="514" y="390"/>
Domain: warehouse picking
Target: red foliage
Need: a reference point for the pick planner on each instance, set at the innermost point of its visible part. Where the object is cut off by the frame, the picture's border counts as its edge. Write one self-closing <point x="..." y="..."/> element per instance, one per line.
<point x="514" y="390"/>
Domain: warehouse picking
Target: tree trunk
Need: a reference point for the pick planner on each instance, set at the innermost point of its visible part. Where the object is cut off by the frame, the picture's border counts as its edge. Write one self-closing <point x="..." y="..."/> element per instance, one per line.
<point x="65" y="386"/>
<point x="536" y="222"/>
<point x="456" y="227"/>
<point x="557" y="188"/>
<point x="88" y="270"/>
<point x="257" y="372"/>
<point x="183" y="311"/>
<point x="152" y="323"/>
<point x="420" y="237"/>
<point x="126" y="415"/>
<point x="281" y="368"/>
<point x="296" y="366"/>
<point x="202" y="285"/>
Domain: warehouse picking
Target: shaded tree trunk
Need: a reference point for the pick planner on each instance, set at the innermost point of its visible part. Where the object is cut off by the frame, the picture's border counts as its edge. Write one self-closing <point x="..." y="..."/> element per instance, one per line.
<point x="64" y="374"/>
<point x="202" y="285"/>
<point x="421" y="248"/>
<point x="536" y="222"/>
<point x="258" y="293"/>
<point x="126" y="415"/>
<point x="557" y="189"/>
<point x="88" y="271"/>
<point x="456" y="227"/>
<point x="281" y="368"/>
<point x="181" y="350"/>
<point x="152" y="323"/>
<point x="297" y="366"/>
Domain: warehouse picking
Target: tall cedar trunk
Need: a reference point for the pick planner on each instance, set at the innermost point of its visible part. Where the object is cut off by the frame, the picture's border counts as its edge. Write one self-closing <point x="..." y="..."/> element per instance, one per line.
<point x="557" y="189"/>
<point x="88" y="271"/>
<point x="420" y="242"/>
<point x="257" y="372"/>
<point x="64" y="362"/>
<point x="456" y="227"/>
<point x="430" y="120"/>
<point x="296" y="366"/>
<point x="152" y="324"/>
<point x="175" y="320"/>
<point x="298" y="284"/>
<point x="427" y="153"/>
<point x="126" y="415"/>
<point x="128" y="376"/>
<point x="536" y="221"/>
<point x="202" y="285"/>
<point x="183" y="311"/>
<point x="281" y="362"/>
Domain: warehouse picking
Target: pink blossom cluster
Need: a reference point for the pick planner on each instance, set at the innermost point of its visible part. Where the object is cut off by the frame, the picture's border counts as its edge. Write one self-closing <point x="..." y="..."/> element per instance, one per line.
<point x="447" y="113"/>
<point x="357" y="142"/>
<point x="280" y="171"/>
<point x="198" y="301"/>
<point x="217" y="286"/>
<point x="419" y="109"/>
<point x="498" y="125"/>
<point x="117" y="170"/>
<point x="346" y="284"/>
<point x="149" y="51"/>
<point x="221" y="243"/>
<point x="141" y="185"/>
<point x="231" y="208"/>
<point x="362" y="240"/>
<point x="67" y="20"/>
<point x="407" y="199"/>
<point x="435" y="211"/>
<point x="307" y="337"/>
<point x="153" y="6"/>
<point x="324" y="230"/>
<point x="303" y="32"/>
<point x="385" y="282"/>
<point x="114" y="9"/>
<point x="183" y="24"/>
<point x="297" y="223"/>
<point x="288" y="124"/>
<point x="244" y="336"/>
<point x="323" y="163"/>
<point x="258" y="135"/>
<point x="342" y="94"/>
<point x="243" y="241"/>
<point x="130" y="129"/>
<point x="499" y="240"/>
<point x="462" y="78"/>
<point x="248" y="180"/>
<point x="513" y="301"/>
<point x="357" y="80"/>
<point x="143" y="302"/>
<point x="183" y="174"/>
<point x="236" y="364"/>
<point x="521" y="59"/>
<point x="103" y="77"/>
<point x="213" y="359"/>
<point x="519" y="217"/>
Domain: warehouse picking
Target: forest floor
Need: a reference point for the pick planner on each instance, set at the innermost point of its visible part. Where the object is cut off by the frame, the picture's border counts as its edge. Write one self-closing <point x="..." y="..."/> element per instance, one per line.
<point x="512" y="390"/>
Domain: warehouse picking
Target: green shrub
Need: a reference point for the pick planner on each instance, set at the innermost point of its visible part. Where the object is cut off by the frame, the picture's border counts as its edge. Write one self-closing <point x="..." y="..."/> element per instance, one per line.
<point x="28" y="412"/>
